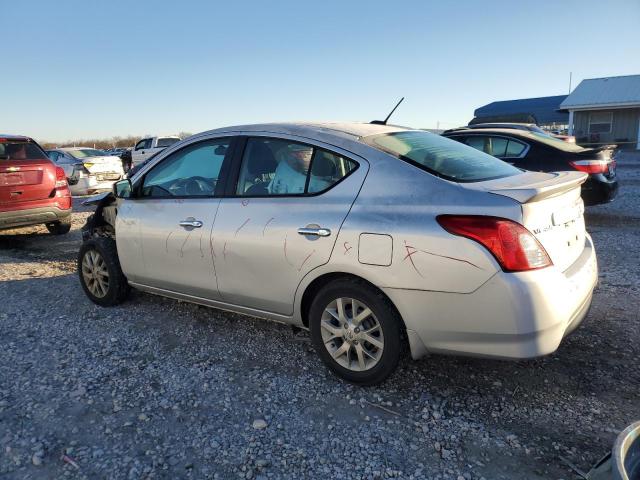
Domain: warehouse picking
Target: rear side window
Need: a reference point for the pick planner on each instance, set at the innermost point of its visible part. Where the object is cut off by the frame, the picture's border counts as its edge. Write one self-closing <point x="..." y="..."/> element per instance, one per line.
<point x="442" y="156"/>
<point x="274" y="167"/>
<point x="20" y="151"/>
<point x="166" y="142"/>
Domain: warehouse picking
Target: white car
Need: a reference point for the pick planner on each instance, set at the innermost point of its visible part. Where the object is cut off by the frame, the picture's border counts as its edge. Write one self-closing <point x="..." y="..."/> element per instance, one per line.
<point x="88" y="170"/>
<point x="370" y="236"/>
<point x="148" y="147"/>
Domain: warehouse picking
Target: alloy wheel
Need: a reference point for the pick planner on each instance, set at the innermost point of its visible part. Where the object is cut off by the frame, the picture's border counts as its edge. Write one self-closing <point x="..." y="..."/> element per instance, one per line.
<point x="352" y="334"/>
<point x="95" y="273"/>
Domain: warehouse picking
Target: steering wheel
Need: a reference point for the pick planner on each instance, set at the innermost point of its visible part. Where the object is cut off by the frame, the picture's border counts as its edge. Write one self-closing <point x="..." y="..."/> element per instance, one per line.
<point x="193" y="186"/>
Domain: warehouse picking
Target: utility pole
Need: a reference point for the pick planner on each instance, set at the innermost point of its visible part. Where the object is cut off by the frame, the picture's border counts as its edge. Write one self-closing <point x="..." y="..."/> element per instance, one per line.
<point x="570" y="74"/>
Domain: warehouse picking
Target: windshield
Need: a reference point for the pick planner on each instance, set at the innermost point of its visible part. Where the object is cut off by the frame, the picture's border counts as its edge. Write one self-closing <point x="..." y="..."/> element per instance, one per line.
<point x="165" y="142"/>
<point x="20" y="151"/>
<point x="86" y="153"/>
<point x="442" y="157"/>
<point x="557" y="143"/>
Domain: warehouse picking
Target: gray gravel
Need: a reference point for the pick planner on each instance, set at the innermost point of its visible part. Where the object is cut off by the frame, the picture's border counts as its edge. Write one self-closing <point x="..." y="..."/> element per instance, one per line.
<point x="157" y="388"/>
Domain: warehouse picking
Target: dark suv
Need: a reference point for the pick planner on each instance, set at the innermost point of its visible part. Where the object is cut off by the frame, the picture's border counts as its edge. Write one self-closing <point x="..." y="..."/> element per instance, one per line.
<point x="32" y="189"/>
<point x="540" y="152"/>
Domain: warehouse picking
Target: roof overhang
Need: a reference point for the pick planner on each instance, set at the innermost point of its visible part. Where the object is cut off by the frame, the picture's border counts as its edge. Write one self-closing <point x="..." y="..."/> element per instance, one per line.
<point x="600" y="106"/>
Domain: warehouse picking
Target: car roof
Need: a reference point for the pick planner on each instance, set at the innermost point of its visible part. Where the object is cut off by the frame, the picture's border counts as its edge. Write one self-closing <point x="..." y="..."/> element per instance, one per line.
<point x="349" y="130"/>
<point x="15" y="137"/>
<point x="502" y="131"/>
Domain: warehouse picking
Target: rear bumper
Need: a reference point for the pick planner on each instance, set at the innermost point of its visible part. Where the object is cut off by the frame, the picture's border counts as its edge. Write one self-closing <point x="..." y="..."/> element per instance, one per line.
<point x="513" y="315"/>
<point x="599" y="189"/>
<point x="90" y="184"/>
<point x="32" y="216"/>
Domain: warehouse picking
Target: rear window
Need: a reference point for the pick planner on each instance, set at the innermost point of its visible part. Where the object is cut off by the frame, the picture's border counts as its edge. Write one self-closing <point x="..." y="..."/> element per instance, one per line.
<point x="86" y="153"/>
<point x="20" y="151"/>
<point x="441" y="156"/>
<point x="166" y="142"/>
<point x="557" y="143"/>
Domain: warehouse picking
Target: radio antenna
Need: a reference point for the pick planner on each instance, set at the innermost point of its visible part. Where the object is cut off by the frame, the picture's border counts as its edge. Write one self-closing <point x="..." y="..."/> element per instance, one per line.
<point x="384" y="122"/>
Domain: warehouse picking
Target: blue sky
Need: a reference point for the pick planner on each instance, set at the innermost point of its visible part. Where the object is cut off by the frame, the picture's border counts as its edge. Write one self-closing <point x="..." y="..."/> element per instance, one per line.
<point x="79" y="69"/>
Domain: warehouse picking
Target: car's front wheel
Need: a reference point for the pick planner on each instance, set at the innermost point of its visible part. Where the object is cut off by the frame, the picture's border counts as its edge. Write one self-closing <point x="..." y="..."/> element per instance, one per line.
<point x="100" y="274"/>
<point x="356" y="331"/>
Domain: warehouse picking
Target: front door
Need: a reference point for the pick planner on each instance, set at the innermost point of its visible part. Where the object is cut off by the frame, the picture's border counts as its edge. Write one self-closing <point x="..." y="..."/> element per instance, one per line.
<point x="164" y="232"/>
<point x="282" y="221"/>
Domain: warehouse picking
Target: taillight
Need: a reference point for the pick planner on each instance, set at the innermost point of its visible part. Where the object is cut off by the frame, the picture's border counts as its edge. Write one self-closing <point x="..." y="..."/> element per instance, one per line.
<point x="591" y="166"/>
<point x="61" y="178"/>
<point x="513" y="246"/>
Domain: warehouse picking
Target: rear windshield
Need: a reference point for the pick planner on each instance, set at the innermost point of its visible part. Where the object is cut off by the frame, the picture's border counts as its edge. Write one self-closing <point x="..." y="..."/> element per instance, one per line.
<point x="441" y="156"/>
<point x="557" y="143"/>
<point x="86" y="153"/>
<point x="20" y="151"/>
<point x="165" y="142"/>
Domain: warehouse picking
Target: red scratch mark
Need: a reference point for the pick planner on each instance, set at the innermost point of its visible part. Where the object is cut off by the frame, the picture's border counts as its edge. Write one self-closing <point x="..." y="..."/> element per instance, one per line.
<point x="245" y="203"/>
<point x="452" y="258"/>
<point x="410" y="251"/>
<point x="183" y="244"/>
<point x="265" y="225"/>
<point x="224" y="251"/>
<point x="305" y="260"/>
<point x="240" y="227"/>
<point x="166" y="243"/>
<point x="285" y="251"/>
<point x="347" y="247"/>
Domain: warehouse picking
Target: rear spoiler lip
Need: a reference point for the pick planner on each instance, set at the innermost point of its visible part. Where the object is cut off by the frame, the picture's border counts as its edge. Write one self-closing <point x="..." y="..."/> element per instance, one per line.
<point x="564" y="181"/>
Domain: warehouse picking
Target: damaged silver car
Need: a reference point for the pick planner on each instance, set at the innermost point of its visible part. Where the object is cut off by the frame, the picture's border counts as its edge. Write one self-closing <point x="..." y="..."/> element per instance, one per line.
<point x="371" y="236"/>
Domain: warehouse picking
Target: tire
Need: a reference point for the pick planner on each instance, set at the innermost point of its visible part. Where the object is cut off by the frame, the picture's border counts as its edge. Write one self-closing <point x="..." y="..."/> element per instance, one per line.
<point x="59" y="228"/>
<point x="100" y="274"/>
<point x="330" y="340"/>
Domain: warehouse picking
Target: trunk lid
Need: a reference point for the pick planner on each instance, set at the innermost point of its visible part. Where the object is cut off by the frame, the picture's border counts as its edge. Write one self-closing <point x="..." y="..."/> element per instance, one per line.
<point x="26" y="174"/>
<point x="552" y="210"/>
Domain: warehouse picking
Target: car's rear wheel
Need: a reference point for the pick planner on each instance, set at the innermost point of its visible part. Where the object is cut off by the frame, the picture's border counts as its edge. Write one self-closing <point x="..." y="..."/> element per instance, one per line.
<point x="356" y="331"/>
<point x="59" y="228"/>
<point x="100" y="274"/>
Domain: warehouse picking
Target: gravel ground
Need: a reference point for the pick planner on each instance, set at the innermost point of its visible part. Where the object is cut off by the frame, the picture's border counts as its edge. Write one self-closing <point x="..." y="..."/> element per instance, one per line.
<point x="158" y="388"/>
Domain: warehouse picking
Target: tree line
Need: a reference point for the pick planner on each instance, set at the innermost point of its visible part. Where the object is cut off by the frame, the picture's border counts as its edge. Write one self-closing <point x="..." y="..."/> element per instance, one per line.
<point x="102" y="143"/>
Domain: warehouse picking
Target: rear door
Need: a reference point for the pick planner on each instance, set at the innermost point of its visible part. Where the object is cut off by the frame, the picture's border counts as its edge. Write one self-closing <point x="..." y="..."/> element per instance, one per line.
<point x="286" y="204"/>
<point x="164" y="231"/>
<point x="27" y="175"/>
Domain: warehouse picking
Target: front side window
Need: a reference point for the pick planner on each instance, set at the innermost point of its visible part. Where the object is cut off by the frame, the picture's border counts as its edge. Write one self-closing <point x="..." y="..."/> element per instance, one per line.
<point x="190" y="172"/>
<point x="140" y="145"/>
<point x="272" y="167"/>
<point x="442" y="156"/>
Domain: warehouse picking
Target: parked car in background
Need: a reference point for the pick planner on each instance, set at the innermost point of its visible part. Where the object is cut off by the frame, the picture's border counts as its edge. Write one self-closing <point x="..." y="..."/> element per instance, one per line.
<point x="369" y="235"/>
<point x="147" y="147"/>
<point x="530" y="127"/>
<point x="33" y="190"/>
<point x="539" y="152"/>
<point x="88" y="170"/>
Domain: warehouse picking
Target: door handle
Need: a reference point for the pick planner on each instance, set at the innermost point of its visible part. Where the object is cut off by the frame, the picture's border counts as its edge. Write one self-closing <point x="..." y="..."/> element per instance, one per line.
<point x="191" y="222"/>
<point x="316" y="232"/>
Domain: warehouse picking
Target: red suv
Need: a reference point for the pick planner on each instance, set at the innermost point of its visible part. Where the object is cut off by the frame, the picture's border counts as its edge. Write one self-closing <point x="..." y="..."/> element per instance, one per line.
<point x="32" y="189"/>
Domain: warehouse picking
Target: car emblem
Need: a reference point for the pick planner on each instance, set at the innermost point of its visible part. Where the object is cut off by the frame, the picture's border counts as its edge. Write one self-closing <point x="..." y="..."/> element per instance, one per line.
<point x="13" y="169"/>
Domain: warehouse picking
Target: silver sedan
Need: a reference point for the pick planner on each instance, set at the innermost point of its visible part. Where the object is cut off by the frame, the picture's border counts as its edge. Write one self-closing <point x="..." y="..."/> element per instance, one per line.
<point x="373" y="237"/>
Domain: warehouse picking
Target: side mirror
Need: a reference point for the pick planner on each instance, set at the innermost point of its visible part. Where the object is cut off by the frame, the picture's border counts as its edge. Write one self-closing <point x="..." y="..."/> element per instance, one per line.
<point x="122" y="188"/>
